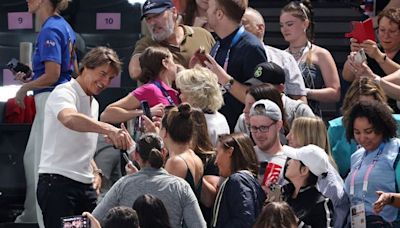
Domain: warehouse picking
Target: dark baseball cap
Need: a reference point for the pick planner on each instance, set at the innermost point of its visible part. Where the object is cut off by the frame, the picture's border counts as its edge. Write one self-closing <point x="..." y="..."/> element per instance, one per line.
<point x="156" y="7"/>
<point x="267" y="72"/>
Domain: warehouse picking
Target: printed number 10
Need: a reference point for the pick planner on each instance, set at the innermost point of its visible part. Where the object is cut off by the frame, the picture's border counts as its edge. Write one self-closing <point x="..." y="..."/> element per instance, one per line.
<point x="109" y="21"/>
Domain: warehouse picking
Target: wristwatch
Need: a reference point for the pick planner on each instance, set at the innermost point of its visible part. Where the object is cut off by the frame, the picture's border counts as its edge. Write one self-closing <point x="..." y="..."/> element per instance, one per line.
<point x="228" y="86"/>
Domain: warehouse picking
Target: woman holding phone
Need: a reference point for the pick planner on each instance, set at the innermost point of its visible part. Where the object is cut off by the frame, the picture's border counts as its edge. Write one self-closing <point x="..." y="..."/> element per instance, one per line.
<point x="158" y="74"/>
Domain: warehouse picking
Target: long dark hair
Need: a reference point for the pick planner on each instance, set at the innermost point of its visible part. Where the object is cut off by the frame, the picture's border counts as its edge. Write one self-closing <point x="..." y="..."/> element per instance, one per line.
<point x="243" y="155"/>
<point x="151" y="212"/>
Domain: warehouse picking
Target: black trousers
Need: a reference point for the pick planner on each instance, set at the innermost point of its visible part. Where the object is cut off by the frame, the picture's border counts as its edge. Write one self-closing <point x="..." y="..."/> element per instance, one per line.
<point x="59" y="196"/>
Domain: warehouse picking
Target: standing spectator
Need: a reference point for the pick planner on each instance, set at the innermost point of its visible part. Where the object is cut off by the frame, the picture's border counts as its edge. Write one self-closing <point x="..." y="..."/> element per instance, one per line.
<point x="183" y="41"/>
<point x="312" y="130"/>
<point x="371" y="125"/>
<point x="303" y="168"/>
<point x="254" y="22"/>
<point x="158" y="73"/>
<point x="151" y="212"/>
<point x="116" y="217"/>
<point x="70" y="137"/>
<point x="316" y="63"/>
<point x="177" y="130"/>
<point x="384" y="57"/>
<point x="265" y="126"/>
<point x="54" y="61"/>
<point x="235" y="54"/>
<point x="240" y="196"/>
<point x="276" y="215"/>
<point x="199" y="87"/>
<point x="174" y="192"/>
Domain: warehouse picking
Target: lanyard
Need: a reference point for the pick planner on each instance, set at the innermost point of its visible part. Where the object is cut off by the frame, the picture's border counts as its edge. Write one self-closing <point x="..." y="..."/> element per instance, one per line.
<point x="367" y="173"/>
<point x="164" y="92"/>
<point x="234" y="41"/>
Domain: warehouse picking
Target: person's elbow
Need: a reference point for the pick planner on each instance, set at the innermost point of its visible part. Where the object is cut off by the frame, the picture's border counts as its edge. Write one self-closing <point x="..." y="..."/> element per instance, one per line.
<point x="134" y="67"/>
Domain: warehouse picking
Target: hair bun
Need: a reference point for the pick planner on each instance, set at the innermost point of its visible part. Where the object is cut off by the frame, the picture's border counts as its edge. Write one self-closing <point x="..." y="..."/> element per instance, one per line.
<point x="184" y="110"/>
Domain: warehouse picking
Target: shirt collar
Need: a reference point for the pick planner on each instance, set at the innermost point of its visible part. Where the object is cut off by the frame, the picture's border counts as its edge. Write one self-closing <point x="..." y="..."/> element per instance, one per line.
<point x="75" y="84"/>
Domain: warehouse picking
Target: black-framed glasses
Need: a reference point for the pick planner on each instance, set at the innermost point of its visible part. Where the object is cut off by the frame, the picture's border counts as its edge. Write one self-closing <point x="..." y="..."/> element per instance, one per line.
<point x="262" y="128"/>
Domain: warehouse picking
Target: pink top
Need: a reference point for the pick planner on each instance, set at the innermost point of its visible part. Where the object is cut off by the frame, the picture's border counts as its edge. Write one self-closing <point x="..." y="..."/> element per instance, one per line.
<point x="154" y="95"/>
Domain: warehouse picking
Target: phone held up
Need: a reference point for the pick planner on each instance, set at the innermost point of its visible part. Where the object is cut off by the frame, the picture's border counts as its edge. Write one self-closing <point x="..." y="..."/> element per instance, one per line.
<point x="16" y="66"/>
<point x="146" y="109"/>
<point x="360" y="56"/>
<point x="76" y="221"/>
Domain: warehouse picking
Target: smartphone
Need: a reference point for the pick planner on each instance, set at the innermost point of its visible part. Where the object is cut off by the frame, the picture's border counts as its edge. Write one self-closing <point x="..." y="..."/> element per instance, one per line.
<point x="200" y="54"/>
<point x="76" y="221"/>
<point x="16" y="66"/>
<point x="275" y="193"/>
<point x="146" y="109"/>
<point x="360" y="56"/>
<point x="126" y="158"/>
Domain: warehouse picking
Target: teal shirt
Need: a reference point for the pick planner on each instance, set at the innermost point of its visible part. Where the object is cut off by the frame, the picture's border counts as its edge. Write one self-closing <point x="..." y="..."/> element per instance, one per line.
<point x="341" y="149"/>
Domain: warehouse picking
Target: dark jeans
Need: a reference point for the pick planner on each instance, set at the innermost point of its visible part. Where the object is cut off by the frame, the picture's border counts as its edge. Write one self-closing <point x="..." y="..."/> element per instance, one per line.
<point x="59" y="196"/>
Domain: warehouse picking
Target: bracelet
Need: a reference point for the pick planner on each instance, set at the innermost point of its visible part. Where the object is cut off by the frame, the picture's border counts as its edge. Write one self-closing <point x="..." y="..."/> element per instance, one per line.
<point x="391" y="201"/>
<point x="384" y="58"/>
<point x="98" y="172"/>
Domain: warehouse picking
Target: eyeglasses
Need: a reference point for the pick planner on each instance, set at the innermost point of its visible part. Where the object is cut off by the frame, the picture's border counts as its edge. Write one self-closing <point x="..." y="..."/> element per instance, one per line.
<point x="262" y="128"/>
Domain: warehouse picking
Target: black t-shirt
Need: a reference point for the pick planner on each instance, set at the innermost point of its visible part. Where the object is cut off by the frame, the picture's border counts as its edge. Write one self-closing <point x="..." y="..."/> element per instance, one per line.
<point x="243" y="58"/>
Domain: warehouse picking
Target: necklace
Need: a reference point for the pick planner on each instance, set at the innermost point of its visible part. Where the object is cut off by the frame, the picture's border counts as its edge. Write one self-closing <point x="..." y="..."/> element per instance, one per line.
<point x="297" y="54"/>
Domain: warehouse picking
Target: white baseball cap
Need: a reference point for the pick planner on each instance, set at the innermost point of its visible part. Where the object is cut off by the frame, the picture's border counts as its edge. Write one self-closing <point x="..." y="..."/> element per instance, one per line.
<point x="312" y="156"/>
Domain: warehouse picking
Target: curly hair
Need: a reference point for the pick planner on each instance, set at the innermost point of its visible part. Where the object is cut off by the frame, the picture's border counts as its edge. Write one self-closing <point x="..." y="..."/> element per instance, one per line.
<point x="201" y="88"/>
<point x="379" y="116"/>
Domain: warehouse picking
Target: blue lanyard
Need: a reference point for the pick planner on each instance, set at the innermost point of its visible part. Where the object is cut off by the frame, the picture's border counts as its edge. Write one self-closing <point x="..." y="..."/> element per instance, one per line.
<point x="164" y="92"/>
<point x="233" y="43"/>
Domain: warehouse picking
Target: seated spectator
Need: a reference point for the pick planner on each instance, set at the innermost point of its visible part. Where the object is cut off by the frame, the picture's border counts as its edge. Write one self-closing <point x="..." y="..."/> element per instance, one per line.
<point x="384" y="57"/>
<point x="372" y="126"/>
<point x="175" y="193"/>
<point x="254" y="22"/>
<point x="316" y="63"/>
<point x="158" y="73"/>
<point x="342" y="149"/>
<point x="240" y="196"/>
<point x="151" y="212"/>
<point x="177" y="130"/>
<point x="199" y="87"/>
<point x="303" y="168"/>
<point x="276" y="215"/>
<point x="312" y="130"/>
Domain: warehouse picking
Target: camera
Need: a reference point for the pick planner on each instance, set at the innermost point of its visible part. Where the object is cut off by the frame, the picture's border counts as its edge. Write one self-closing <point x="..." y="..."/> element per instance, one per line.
<point x="16" y="66"/>
<point x="76" y="221"/>
<point x="360" y="56"/>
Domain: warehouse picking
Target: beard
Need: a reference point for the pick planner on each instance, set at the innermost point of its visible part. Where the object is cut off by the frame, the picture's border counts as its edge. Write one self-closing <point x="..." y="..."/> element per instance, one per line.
<point x="166" y="32"/>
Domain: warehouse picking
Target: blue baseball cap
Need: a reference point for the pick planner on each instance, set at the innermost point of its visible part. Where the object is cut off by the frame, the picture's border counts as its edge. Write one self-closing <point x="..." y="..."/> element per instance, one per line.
<point x="156" y="7"/>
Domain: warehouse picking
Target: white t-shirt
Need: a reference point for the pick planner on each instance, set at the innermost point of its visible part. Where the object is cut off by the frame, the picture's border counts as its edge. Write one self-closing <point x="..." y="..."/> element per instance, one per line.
<point x="64" y="151"/>
<point x="216" y="124"/>
<point x="275" y="167"/>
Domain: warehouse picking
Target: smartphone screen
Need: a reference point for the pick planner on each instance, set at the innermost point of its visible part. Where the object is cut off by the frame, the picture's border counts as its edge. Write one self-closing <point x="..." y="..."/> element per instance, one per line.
<point x="76" y="221"/>
<point x="146" y="109"/>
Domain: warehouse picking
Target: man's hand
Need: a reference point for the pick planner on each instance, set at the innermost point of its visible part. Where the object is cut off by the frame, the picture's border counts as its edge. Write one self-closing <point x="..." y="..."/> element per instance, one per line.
<point x="120" y="138"/>
<point x="97" y="183"/>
